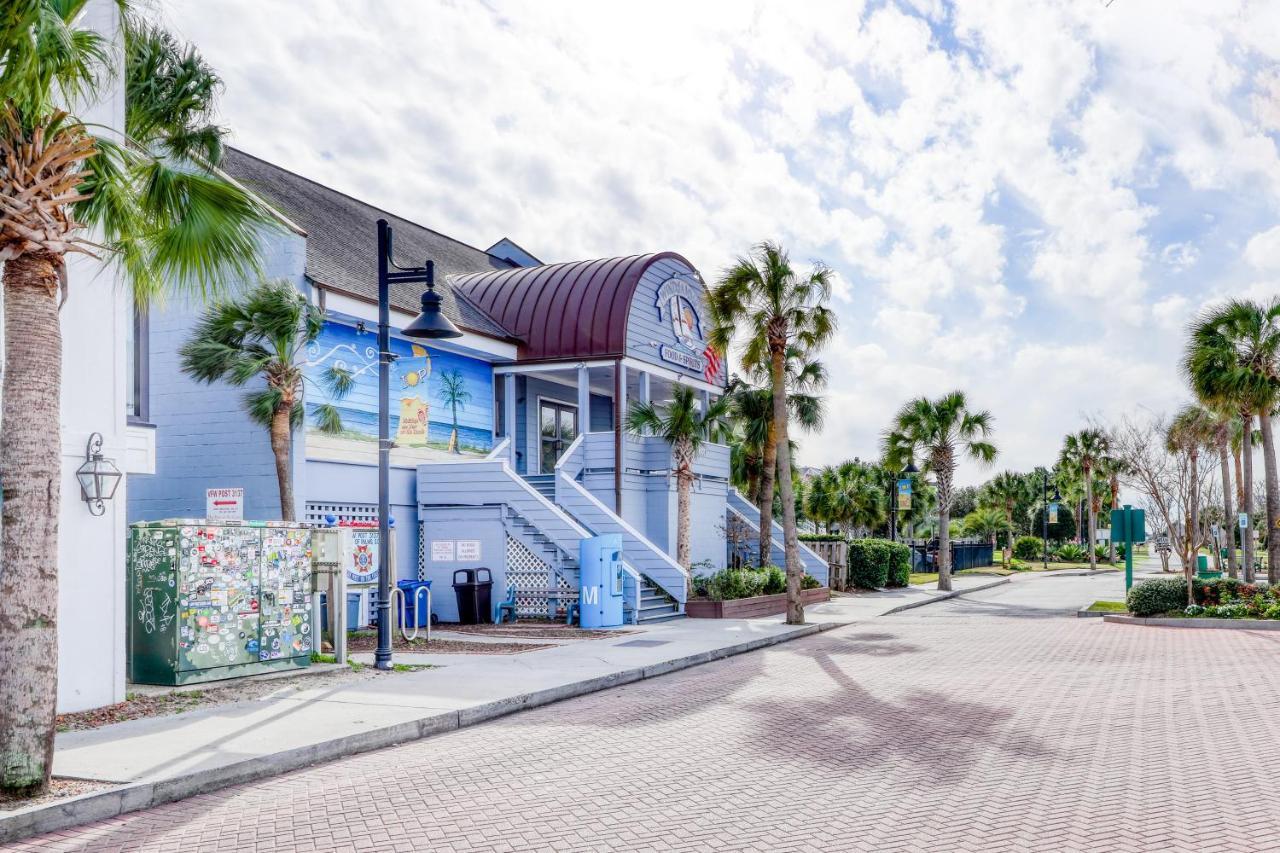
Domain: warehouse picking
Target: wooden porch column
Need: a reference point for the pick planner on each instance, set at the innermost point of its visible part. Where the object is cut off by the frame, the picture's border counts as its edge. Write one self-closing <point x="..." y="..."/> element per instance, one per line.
<point x="644" y="387"/>
<point x="584" y="399"/>
<point x="509" y="415"/>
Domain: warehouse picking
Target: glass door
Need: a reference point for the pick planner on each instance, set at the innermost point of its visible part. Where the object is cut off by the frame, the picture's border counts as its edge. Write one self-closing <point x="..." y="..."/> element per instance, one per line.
<point x="558" y="424"/>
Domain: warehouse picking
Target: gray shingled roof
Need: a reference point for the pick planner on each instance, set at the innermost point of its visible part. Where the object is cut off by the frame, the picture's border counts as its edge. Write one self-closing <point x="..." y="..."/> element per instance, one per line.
<point x="342" y="241"/>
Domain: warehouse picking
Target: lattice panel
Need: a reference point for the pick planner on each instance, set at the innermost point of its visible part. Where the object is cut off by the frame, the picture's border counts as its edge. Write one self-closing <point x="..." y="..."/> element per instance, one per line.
<point x="316" y="512"/>
<point x="422" y="550"/>
<point x="531" y="576"/>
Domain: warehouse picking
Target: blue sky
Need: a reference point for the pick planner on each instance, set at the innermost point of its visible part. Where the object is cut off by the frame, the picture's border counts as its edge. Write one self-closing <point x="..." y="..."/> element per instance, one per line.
<point x="1026" y="200"/>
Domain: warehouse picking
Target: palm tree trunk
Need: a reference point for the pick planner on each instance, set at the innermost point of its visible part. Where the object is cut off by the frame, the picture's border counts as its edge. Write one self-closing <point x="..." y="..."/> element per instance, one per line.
<point x="1193" y="527"/>
<point x="1235" y="453"/>
<point x="1246" y="503"/>
<point x="1008" y="538"/>
<point x="1228" y="511"/>
<point x="30" y="469"/>
<point x="1115" y="504"/>
<point x="281" y="446"/>
<point x="791" y="549"/>
<point x="1273" y="497"/>
<point x="1093" y="518"/>
<point x="768" y="469"/>
<point x="944" y="525"/>
<point x="684" y="487"/>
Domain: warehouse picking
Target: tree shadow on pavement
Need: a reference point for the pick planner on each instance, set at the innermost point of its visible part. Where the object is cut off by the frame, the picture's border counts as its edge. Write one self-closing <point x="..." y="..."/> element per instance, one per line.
<point x="967" y="608"/>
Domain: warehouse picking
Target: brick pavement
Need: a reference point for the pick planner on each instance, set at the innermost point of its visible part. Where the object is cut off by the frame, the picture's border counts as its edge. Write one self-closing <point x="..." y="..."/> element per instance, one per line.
<point x="903" y="734"/>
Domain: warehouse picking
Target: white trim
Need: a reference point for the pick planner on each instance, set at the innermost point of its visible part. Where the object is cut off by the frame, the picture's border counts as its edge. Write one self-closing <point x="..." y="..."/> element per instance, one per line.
<point x="469" y="344"/>
<point x="547" y="366"/>
<point x="673" y="376"/>
<point x="499" y="449"/>
<point x="537" y="422"/>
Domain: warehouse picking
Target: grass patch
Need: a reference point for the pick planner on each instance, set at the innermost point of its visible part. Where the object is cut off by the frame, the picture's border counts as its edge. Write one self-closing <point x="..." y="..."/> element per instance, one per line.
<point x="1108" y="607"/>
<point x="932" y="577"/>
<point x="317" y="657"/>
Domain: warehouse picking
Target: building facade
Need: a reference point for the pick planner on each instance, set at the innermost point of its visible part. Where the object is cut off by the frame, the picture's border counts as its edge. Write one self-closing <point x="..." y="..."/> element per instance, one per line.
<point x="510" y="441"/>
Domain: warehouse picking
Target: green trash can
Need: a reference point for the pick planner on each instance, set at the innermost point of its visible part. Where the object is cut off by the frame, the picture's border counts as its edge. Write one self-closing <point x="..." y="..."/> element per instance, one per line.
<point x="1202" y="563"/>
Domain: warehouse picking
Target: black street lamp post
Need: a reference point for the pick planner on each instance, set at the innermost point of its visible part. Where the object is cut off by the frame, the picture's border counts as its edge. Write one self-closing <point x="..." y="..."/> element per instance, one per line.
<point x="432" y="324"/>
<point x="1057" y="496"/>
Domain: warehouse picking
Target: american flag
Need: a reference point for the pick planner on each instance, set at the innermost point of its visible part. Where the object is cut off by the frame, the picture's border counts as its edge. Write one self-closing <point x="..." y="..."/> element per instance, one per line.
<point x="713" y="363"/>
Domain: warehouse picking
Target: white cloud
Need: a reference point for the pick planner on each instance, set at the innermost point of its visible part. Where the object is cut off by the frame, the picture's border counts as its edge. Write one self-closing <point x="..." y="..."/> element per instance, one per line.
<point x="991" y="181"/>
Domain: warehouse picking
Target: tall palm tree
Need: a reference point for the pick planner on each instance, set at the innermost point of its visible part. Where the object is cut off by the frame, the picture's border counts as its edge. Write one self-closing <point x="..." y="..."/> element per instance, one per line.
<point x="454" y="394"/>
<point x="1111" y="468"/>
<point x="1233" y="361"/>
<point x="1005" y="491"/>
<point x="686" y="427"/>
<point x="167" y="222"/>
<point x="1081" y="454"/>
<point x="1191" y="430"/>
<point x="258" y="336"/>
<point x="1225" y="423"/>
<point x="782" y="312"/>
<point x="985" y="523"/>
<point x="937" y="431"/>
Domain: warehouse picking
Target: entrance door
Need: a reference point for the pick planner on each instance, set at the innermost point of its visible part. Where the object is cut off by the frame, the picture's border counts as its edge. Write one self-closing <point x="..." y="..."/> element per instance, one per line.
<point x="559" y="427"/>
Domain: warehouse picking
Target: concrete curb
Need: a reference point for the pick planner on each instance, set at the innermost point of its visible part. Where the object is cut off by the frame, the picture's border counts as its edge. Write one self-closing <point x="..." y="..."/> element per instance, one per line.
<point x="955" y="593"/>
<point x="136" y="796"/>
<point x="1191" y="622"/>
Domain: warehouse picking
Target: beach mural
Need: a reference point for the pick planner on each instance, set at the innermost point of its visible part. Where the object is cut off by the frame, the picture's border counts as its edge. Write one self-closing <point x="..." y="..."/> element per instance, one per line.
<point x="441" y="402"/>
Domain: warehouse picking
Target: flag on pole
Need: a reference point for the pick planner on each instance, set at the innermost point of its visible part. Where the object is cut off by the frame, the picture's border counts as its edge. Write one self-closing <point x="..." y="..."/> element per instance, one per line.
<point x="713" y="363"/>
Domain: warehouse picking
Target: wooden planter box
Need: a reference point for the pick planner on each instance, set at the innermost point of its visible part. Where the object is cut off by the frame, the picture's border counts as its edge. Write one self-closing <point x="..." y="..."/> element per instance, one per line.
<point x="749" y="608"/>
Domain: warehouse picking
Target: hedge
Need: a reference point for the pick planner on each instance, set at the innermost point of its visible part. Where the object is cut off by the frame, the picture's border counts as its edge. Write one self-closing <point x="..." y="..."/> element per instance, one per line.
<point x="1028" y="548"/>
<point x="876" y="563"/>
<point x="1157" y="597"/>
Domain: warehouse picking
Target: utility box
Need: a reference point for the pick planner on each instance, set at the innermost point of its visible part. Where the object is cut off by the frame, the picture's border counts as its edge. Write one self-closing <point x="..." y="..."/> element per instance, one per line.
<point x="601" y="573"/>
<point x="212" y="601"/>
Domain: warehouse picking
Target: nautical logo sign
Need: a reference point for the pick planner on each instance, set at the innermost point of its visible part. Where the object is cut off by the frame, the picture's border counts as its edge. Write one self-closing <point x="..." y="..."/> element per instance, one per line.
<point x="679" y="303"/>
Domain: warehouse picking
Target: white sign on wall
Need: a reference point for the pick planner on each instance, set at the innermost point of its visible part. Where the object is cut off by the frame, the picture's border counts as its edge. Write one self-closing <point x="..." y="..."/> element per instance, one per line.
<point x="224" y="504"/>
<point x="468" y="549"/>
<point x="442" y="550"/>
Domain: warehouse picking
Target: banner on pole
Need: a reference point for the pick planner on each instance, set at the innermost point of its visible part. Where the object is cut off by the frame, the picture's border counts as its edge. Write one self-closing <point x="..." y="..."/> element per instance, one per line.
<point x="904" y="494"/>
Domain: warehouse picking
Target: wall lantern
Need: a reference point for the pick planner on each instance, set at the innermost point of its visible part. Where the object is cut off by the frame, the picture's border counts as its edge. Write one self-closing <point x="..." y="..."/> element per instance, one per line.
<point x="99" y="477"/>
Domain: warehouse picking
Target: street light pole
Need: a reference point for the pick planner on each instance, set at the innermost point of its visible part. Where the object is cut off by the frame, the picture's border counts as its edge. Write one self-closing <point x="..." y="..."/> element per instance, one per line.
<point x="432" y="324"/>
<point x="1045" y="518"/>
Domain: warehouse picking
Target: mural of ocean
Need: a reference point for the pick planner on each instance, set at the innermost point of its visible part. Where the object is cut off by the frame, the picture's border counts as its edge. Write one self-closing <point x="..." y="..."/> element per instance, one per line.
<point x="366" y="423"/>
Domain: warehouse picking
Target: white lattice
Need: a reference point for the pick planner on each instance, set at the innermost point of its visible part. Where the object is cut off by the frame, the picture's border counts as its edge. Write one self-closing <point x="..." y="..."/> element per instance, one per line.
<point x="422" y="550"/>
<point x="531" y="576"/>
<point x="316" y="512"/>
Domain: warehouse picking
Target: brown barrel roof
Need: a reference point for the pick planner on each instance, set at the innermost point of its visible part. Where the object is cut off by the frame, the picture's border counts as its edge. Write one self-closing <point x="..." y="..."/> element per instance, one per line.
<point x="571" y="310"/>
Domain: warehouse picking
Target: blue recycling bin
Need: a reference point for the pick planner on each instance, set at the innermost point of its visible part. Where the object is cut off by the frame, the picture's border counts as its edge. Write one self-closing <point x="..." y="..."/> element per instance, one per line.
<point x="600" y="570"/>
<point x="353" y="611"/>
<point x="414" y="610"/>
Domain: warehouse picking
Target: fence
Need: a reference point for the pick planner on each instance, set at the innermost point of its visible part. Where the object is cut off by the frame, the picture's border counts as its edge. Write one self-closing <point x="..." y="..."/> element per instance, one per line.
<point x="836" y="556"/>
<point x="970" y="554"/>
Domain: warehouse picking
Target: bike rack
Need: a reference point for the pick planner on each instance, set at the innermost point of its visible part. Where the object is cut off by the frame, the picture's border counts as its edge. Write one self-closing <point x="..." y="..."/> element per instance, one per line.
<point x="417" y="600"/>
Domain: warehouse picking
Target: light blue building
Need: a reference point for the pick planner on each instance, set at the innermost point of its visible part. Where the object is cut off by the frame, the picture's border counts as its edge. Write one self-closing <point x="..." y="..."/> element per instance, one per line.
<point x="510" y="446"/>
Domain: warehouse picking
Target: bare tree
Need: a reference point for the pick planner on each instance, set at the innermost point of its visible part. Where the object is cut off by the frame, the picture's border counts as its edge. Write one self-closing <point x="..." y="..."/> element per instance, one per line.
<point x="1167" y="483"/>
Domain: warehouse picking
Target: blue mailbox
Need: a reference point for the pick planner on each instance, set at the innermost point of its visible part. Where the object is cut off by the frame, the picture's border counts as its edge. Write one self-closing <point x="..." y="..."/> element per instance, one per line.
<point x="600" y="569"/>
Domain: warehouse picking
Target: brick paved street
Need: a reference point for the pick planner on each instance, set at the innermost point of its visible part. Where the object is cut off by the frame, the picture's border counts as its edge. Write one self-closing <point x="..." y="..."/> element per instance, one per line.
<point x="911" y="732"/>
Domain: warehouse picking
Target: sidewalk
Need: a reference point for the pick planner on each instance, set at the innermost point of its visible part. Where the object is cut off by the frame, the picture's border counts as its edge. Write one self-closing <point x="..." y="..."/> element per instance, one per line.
<point x="160" y="759"/>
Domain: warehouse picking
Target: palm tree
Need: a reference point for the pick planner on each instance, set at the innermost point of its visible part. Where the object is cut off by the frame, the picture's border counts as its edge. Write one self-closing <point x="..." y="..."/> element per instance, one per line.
<point x="985" y="523"/>
<point x="686" y="427"/>
<point x="1233" y="362"/>
<point x="454" y="394"/>
<point x="937" y="431"/>
<point x="1081" y="454"/>
<point x="1189" y="431"/>
<point x="259" y="336"/>
<point x="1005" y="491"/>
<point x="783" y="312"/>
<point x="1225" y="424"/>
<point x="167" y="222"/>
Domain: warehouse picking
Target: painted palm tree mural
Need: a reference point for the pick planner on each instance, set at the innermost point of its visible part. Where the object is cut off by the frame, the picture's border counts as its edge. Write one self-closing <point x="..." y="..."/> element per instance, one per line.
<point x="454" y="394"/>
<point x="441" y="402"/>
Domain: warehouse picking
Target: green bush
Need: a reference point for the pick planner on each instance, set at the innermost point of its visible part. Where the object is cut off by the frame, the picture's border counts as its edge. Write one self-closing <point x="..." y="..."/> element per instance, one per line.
<point x="1028" y="548"/>
<point x="1120" y="548"/>
<point x="899" y="565"/>
<point x="868" y="563"/>
<point x="1102" y="552"/>
<point x="729" y="584"/>
<point x="1071" y="553"/>
<point x="775" y="580"/>
<point x="1157" y="597"/>
<point x="809" y="582"/>
<point x="821" y="537"/>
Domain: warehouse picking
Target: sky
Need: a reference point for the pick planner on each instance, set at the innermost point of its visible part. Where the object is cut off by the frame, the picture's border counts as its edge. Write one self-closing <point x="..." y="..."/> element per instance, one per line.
<point x="1026" y="200"/>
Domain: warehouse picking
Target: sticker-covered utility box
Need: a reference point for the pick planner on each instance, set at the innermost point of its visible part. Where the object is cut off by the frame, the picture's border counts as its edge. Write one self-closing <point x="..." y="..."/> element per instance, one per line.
<point x="210" y="601"/>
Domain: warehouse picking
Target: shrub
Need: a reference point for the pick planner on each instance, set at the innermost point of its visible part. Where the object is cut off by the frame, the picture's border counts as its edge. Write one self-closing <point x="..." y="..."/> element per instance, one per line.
<point x="1071" y="553"/>
<point x="809" y="582"/>
<point x="1028" y="548"/>
<point x="729" y="584"/>
<point x="899" y="565"/>
<point x="821" y="537"/>
<point x="1158" y="596"/>
<point x="1222" y="590"/>
<point x="775" y="580"/>
<point x="1101" y="552"/>
<point x="869" y="561"/>
<point x="1120" y="548"/>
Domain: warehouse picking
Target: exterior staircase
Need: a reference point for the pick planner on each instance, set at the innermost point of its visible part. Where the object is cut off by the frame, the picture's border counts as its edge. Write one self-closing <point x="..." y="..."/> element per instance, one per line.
<point x="544" y="483"/>
<point x="655" y="604"/>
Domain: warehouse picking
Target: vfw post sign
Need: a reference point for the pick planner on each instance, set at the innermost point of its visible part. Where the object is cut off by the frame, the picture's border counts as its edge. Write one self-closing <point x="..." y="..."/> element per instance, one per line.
<point x="224" y="504"/>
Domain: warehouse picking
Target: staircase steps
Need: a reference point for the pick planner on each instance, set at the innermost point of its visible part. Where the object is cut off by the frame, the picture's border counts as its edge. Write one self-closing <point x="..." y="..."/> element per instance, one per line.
<point x="545" y="484"/>
<point x="655" y="605"/>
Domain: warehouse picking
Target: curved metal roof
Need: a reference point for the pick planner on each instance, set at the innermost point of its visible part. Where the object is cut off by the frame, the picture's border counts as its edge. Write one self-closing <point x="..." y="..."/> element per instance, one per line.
<point x="571" y="310"/>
